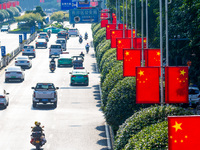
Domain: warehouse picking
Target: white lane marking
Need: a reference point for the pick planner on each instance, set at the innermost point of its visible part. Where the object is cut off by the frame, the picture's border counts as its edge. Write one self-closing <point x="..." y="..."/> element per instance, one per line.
<point x="108" y="136"/>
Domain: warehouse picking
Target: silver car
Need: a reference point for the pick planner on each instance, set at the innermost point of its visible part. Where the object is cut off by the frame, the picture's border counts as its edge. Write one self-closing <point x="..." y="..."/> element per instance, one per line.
<point x="62" y="42"/>
<point x="14" y="73"/>
<point x="4" y="99"/>
<point x="43" y="35"/>
<point x="23" y="61"/>
<point x="194" y="96"/>
<point x="28" y="50"/>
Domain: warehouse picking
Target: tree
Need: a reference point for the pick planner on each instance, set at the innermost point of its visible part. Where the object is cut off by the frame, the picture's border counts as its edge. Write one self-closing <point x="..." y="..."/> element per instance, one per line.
<point x="59" y="16"/>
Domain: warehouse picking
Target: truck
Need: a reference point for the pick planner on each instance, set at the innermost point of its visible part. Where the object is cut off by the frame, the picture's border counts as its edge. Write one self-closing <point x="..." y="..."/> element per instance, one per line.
<point x="45" y="93"/>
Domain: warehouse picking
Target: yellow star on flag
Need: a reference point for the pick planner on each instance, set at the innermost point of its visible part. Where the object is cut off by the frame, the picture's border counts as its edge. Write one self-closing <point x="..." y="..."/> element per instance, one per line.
<point x="119" y="41"/>
<point x="108" y="26"/>
<point x="177" y="126"/>
<point x="127" y="53"/>
<point x="141" y="73"/>
<point x="133" y="31"/>
<point x="144" y="41"/>
<point x="182" y="72"/>
<point x="113" y="32"/>
<point x="158" y="53"/>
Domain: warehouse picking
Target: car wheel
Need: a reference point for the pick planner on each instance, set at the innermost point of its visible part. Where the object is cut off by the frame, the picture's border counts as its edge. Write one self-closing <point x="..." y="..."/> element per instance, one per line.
<point x="71" y="84"/>
<point x="58" y="65"/>
<point x="86" y="84"/>
<point x="5" y="106"/>
<point x="34" y="105"/>
<point x="55" y="104"/>
<point x="36" y="47"/>
<point x="6" y="80"/>
<point x="46" y="47"/>
<point x="7" y="103"/>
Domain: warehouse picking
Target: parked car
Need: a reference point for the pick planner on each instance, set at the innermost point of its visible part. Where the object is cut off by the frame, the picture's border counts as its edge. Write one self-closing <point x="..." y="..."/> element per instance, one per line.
<point x="194" y="96"/>
<point x="41" y="43"/>
<point x="43" y="35"/>
<point x="5" y="28"/>
<point x="79" y="76"/>
<point x="65" y="60"/>
<point x="45" y="93"/>
<point x="28" y="50"/>
<point x="52" y="29"/>
<point x="55" y="50"/>
<point x="14" y="73"/>
<point x="62" y="42"/>
<point x="4" y="99"/>
<point x="23" y="61"/>
<point x="63" y="34"/>
<point x="77" y="61"/>
<point x="73" y="32"/>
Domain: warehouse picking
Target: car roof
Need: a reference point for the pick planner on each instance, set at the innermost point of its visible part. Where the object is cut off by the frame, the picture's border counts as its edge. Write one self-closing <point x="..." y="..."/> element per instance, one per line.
<point x="14" y="68"/>
<point x="65" y="56"/>
<point x="42" y="33"/>
<point x="60" y="39"/>
<point x="55" y="44"/>
<point x="22" y="57"/>
<point x="193" y="88"/>
<point x="79" y="70"/>
<point x="40" y="39"/>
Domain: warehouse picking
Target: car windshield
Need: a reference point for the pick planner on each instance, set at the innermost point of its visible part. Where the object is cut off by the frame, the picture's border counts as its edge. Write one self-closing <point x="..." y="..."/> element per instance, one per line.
<point x="193" y="91"/>
<point x="60" y="41"/>
<point x="42" y="34"/>
<point x="72" y="30"/>
<point x="28" y="47"/>
<point x="77" y="58"/>
<point x="45" y="86"/>
<point x="55" y="46"/>
<point x="14" y="69"/>
<point x="22" y="57"/>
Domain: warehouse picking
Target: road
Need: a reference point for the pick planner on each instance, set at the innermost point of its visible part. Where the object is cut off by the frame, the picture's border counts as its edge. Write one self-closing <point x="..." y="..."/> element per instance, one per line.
<point x="76" y="124"/>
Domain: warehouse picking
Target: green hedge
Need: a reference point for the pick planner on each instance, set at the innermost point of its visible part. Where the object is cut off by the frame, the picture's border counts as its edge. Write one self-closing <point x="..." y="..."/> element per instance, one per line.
<point x="95" y="29"/>
<point x="154" y="137"/>
<point x="99" y="36"/>
<point x="143" y="118"/>
<point x="115" y="75"/>
<point x="121" y="102"/>
<point x="93" y="25"/>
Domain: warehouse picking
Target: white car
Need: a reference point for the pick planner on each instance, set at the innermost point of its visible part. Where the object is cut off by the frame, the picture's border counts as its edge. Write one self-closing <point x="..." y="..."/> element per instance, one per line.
<point x="28" y="50"/>
<point x="4" y="99"/>
<point x="23" y="61"/>
<point x="14" y="73"/>
<point x="194" y="96"/>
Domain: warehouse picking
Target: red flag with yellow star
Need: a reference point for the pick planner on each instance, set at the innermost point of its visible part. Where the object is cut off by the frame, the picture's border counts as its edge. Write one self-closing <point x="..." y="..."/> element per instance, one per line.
<point x="108" y="28"/>
<point x="147" y="85"/>
<point x="121" y="44"/>
<point x="113" y="35"/>
<point x="120" y="26"/>
<point x="128" y="33"/>
<point x="104" y="23"/>
<point x="132" y="59"/>
<point x="137" y="42"/>
<point x="152" y="57"/>
<point x="183" y="132"/>
<point x="176" y="84"/>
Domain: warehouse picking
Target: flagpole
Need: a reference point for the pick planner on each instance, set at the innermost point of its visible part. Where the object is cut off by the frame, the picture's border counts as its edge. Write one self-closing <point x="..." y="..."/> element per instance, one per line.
<point x="161" y="55"/>
<point x="142" y="30"/>
<point x="123" y="21"/>
<point x="116" y="15"/>
<point x="119" y="11"/>
<point x="126" y="16"/>
<point x="131" y="23"/>
<point x="166" y="18"/>
<point x="147" y="28"/>
<point x="135" y="20"/>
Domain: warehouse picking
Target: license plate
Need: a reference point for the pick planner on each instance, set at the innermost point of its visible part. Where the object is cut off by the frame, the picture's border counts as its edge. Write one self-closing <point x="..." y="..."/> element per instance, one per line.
<point x="28" y="50"/>
<point x="13" y="76"/>
<point x="45" y="100"/>
<point x="37" y="141"/>
<point x="79" y="77"/>
<point x="40" y="43"/>
<point x="21" y="61"/>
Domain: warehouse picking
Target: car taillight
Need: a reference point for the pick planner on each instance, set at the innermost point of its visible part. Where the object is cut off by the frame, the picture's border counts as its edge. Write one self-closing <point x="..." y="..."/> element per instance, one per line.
<point x="33" y="49"/>
<point x="36" y="42"/>
<point x="46" y="36"/>
<point x="22" y="49"/>
<point x="7" y="72"/>
<point x="55" y="94"/>
<point x="49" y="50"/>
<point x="15" y="61"/>
<point x="34" y="94"/>
<point x="38" y="36"/>
<point x="85" y="76"/>
<point x="27" y="61"/>
<point x="2" y="96"/>
<point x="199" y="96"/>
<point x="73" y="76"/>
<point x="19" y="73"/>
<point x="45" y="42"/>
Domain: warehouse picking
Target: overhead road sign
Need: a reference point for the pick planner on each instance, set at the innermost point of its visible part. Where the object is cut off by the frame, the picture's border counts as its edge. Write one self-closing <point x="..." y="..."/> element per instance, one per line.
<point x="83" y="4"/>
<point x="68" y="4"/>
<point x="84" y="16"/>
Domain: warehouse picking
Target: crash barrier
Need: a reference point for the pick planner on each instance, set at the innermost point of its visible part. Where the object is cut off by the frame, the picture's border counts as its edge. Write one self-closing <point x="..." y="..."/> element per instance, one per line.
<point x="5" y="60"/>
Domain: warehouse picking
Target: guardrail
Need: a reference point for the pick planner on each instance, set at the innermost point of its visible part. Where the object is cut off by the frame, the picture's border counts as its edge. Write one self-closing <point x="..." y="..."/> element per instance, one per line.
<point x="5" y="60"/>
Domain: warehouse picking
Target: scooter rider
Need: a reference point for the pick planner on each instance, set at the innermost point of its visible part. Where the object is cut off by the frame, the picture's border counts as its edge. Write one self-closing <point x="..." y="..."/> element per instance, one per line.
<point x="52" y="62"/>
<point x="81" y="54"/>
<point x="49" y="33"/>
<point x="87" y="47"/>
<point x="86" y="35"/>
<point x="38" y="128"/>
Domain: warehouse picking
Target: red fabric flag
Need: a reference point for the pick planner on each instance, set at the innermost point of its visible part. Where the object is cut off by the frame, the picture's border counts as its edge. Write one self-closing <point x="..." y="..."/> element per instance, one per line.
<point x="114" y="20"/>
<point x="147" y="85"/>
<point x="4" y="5"/>
<point x="132" y="59"/>
<point x="104" y="15"/>
<point x="113" y="35"/>
<point x="108" y="28"/>
<point x="152" y="57"/>
<point x="137" y="42"/>
<point x="176" y="84"/>
<point x="0" y="6"/>
<point x="128" y="33"/>
<point x="122" y="43"/>
<point x="120" y="26"/>
<point x="183" y="132"/>
<point x="7" y="5"/>
<point x="17" y="3"/>
<point x="104" y="23"/>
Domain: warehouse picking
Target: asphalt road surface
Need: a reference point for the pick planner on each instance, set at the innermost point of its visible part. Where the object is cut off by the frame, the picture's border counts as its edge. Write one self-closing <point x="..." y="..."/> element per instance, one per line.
<point x="76" y="124"/>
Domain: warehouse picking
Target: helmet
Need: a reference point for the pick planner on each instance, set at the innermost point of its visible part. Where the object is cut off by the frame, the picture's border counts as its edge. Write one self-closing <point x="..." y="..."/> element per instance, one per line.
<point x="39" y="123"/>
<point x="87" y="43"/>
<point x="36" y="123"/>
<point x="81" y="52"/>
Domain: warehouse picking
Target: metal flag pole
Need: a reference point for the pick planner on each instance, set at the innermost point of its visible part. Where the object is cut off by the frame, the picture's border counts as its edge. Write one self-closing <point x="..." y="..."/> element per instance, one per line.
<point x="123" y="21"/>
<point x="147" y="28"/>
<point x="166" y="20"/>
<point x="161" y="55"/>
<point x="142" y="31"/>
<point x="126" y="15"/>
<point x="135" y="20"/>
<point x="119" y="11"/>
<point x="131" y="23"/>
<point x="116" y="15"/>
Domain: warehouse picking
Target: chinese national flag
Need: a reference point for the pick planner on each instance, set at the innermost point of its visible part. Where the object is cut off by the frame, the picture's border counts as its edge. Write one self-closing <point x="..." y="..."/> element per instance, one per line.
<point x="132" y="59"/>
<point x="122" y="43"/>
<point x="147" y="85"/>
<point x="128" y="33"/>
<point x="108" y="28"/>
<point x="4" y="5"/>
<point x="104" y="15"/>
<point x="152" y="57"/>
<point x="176" y="84"/>
<point x="120" y="26"/>
<point x="137" y="42"/>
<point x="104" y="23"/>
<point x="114" y="21"/>
<point x="17" y="3"/>
<point x="0" y="6"/>
<point x="183" y="132"/>
<point x="115" y="34"/>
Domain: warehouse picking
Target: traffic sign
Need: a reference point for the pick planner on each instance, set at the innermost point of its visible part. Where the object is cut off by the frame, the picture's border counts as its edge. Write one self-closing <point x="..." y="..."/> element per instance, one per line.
<point x="68" y="4"/>
<point x="25" y="36"/>
<point x="20" y="38"/>
<point x="83" y="4"/>
<point x="84" y="16"/>
<point x="3" y="51"/>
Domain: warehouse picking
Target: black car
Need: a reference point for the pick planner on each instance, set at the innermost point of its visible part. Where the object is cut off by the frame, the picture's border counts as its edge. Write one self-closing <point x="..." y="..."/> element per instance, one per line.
<point x="41" y="43"/>
<point x="63" y="34"/>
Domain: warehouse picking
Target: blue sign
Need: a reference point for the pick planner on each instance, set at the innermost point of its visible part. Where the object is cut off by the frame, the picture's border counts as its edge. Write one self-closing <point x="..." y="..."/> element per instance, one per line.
<point x="33" y="29"/>
<point x="68" y="4"/>
<point x="20" y="38"/>
<point x="3" y="51"/>
<point x="47" y="19"/>
<point x="39" y="25"/>
<point x="84" y="16"/>
<point x="25" y="36"/>
<point x="83" y="4"/>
